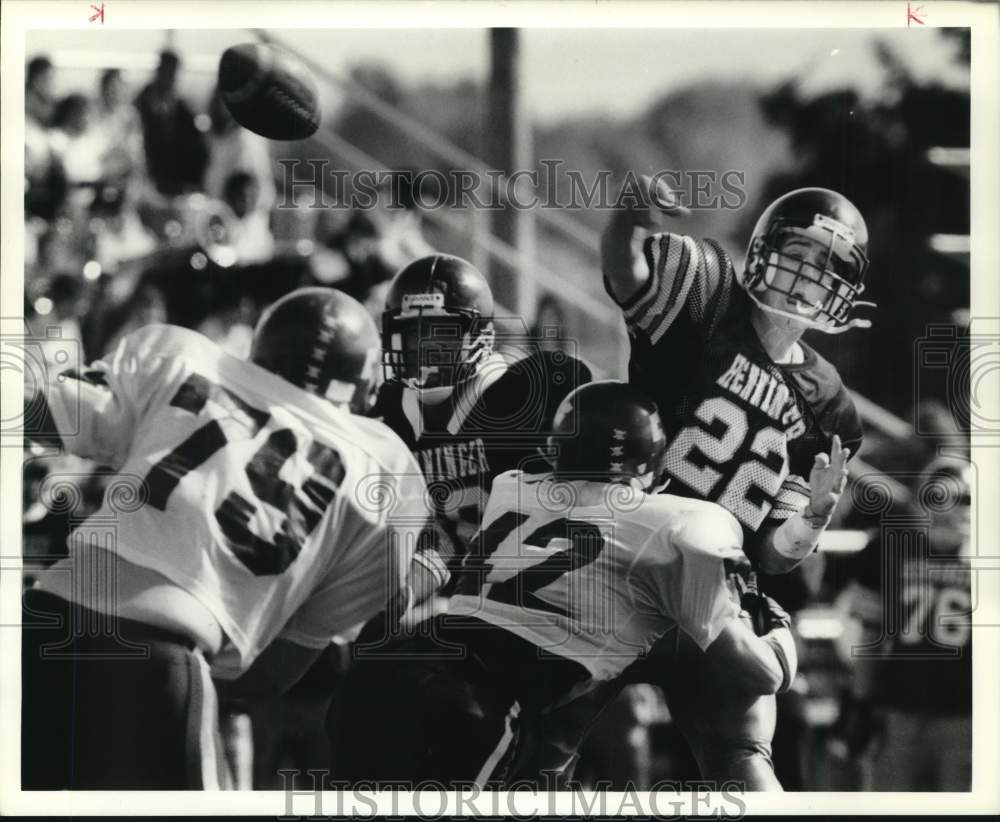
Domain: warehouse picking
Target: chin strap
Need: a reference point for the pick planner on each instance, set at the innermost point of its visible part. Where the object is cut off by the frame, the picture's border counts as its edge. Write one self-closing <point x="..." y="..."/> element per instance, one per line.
<point x="826" y="328"/>
<point x="854" y="322"/>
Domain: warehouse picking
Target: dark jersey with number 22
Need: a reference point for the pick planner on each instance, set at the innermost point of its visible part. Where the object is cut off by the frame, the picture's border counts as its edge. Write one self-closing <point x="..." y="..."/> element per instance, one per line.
<point x="742" y="431"/>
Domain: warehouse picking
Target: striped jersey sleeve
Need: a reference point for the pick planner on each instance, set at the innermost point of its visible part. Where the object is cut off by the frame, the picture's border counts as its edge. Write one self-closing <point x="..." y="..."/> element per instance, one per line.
<point x="687" y="276"/>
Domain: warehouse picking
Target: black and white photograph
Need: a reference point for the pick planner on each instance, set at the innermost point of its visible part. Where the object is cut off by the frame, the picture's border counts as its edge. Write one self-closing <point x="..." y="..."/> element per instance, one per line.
<point x="578" y="408"/>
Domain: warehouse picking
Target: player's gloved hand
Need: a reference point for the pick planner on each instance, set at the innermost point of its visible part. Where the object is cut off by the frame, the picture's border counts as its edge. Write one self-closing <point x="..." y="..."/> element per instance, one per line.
<point x="826" y="483"/>
<point x="654" y="202"/>
<point x="772" y="623"/>
<point x="764" y="612"/>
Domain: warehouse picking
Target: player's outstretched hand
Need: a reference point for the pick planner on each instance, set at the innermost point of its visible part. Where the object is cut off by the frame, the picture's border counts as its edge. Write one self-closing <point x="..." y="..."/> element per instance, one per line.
<point x="657" y="203"/>
<point x="826" y="482"/>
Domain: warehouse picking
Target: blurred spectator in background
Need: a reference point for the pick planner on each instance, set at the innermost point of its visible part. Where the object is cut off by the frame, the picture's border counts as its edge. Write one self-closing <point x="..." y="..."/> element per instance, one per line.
<point x="44" y="180"/>
<point x="356" y="246"/>
<point x="398" y="223"/>
<point x="549" y="328"/>
<point x="176" y="153"/>
<point x="76" y="142"/>
<point x="360" y="255"/>
<point x="122" y="237"/>
<point x="231" y="325"/>
<point x="146" y="306"/>
<point x="251" y="230"/>
<point x="235" y="149"/>
<point x="117" y="123"/>
<point x="939" y="428"/>
<point x="909" y="713"/>
<point x="38" y="101"/>
<point x="55" y="318"/>
<point x="45" y="183"/>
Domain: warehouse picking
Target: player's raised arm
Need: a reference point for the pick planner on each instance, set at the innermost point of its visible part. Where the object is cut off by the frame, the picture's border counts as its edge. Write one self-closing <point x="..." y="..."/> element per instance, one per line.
<point x="93" y="411"/>
<point x="647" y="207"/>
<point x="661" y="280"/>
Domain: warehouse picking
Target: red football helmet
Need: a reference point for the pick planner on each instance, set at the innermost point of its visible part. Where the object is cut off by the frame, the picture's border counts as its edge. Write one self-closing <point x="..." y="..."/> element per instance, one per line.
<point x="807" y="260"/>
<point x="322" y="341"/>
<point x="437" y="328"/>
<point x="608" y="431"/>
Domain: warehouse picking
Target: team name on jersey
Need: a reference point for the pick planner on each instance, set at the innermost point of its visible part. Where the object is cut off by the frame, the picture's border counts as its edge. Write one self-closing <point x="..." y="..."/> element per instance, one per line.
<point x="769" y="393"/>
<point x="455" y="460"/>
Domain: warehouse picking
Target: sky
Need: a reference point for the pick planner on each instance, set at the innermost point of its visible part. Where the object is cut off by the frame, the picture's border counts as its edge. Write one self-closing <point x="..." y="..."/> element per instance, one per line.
<point x="565" y="72"/>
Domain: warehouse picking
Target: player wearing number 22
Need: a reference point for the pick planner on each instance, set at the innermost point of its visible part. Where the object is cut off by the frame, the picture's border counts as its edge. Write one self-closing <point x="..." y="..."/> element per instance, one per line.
<point x="573" y="575"/>
<point x="269" y="516"/>
<point x="756" y="420"/>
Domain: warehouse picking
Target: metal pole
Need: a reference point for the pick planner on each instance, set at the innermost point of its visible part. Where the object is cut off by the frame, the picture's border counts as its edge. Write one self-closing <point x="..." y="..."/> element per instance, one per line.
<point x="507" y="143"/>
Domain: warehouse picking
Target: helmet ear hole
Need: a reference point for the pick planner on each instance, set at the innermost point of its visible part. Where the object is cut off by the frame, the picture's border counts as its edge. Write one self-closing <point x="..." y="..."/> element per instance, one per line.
<point x="755" y="264"/>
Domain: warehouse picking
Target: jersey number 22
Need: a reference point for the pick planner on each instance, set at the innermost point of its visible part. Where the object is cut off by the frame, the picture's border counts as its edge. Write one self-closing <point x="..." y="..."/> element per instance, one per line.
<point x="700" y="457"/>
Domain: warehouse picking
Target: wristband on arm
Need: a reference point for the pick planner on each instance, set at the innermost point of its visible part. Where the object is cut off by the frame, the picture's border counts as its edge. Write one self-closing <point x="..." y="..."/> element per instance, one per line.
<point x="431" y="560"/>
<point x="798" y="536"/>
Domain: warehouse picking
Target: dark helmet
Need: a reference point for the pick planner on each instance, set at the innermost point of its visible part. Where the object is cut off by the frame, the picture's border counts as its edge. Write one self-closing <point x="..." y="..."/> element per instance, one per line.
<point x="608" y="431"/>
<point x="322" y="341"/>
<point x="830" y="255"/>
<point x="437" y="328"/>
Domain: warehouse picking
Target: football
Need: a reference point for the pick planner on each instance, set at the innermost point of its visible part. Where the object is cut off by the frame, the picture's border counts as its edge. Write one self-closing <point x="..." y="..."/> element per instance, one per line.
<point x="269" y="92"/>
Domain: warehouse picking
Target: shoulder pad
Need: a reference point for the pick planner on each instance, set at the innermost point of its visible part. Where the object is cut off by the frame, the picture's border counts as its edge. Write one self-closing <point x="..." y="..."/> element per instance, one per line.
<point x="831" y="403"/>
<point x="159" y="340"/>
<point x="698" y="525"/>
<point x="537" y="384"/>
<point x="383" y="445"/>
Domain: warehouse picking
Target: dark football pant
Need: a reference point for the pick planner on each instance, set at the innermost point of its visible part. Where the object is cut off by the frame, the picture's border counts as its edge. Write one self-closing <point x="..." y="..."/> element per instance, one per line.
<point x="729" y="731"/>
<point x="415" y="714"/>
<point x="112" y="704"/>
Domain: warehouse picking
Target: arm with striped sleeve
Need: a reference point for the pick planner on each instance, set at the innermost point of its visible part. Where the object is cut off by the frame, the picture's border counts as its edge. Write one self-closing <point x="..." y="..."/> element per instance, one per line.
<point x="672" y="275"/>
